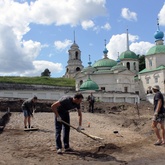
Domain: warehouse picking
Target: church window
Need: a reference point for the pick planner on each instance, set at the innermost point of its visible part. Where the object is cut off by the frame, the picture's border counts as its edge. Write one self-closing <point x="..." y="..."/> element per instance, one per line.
<point x="126" y="89"/>
<point x="81" y="82"/>
<point x="78" y="69"/>
<point x="103" y="88"/>
<point x="150" y="62"/>
<point x="137" y="92"/>
<point x="147" y="81"/>
<point x="156" y="79"/>
<point x="134" y="65"/>
<point x="128" y="65"/>
<point x="76" y="55"/>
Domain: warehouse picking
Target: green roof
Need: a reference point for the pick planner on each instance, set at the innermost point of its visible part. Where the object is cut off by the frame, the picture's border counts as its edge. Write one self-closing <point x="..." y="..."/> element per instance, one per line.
<point x="89" y="85"/>
<point x="156" y="49"/>
<point x="151" y="70"/>
<point x="128" y="54"/>
<point x="105" y="62"/>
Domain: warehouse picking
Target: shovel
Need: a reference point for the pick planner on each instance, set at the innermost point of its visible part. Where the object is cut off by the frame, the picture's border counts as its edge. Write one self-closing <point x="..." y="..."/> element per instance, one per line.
<point x="90" y="136"/>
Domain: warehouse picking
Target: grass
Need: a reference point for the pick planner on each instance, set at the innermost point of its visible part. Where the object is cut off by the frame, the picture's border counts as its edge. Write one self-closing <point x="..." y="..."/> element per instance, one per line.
<point x="63" y="82"/>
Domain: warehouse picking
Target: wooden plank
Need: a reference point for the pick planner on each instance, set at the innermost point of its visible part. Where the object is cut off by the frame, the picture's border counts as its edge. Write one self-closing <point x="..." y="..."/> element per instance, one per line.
<point x="31" y="129"/>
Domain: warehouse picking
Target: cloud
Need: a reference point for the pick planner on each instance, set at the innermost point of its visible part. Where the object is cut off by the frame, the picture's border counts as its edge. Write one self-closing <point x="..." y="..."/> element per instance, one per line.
<point x="18" y="56"/>
<point x="161" y="16"/>
<point x="59" y="45"/>
<point x="13" y="54"/>
<point x="13" y="15"/>
<point x="87" y="24"/>
<point x="40" y="66"/>
<point x="107" y="26"/>
<point x="118" y="44"/>
<point x="128" y="15"/>
<point x="141" y="47"/>
<point x="66" y="12"/>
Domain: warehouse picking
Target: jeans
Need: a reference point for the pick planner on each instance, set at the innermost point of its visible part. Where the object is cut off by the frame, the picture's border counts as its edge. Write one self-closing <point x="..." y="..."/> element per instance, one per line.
<point x="66" y="131"/>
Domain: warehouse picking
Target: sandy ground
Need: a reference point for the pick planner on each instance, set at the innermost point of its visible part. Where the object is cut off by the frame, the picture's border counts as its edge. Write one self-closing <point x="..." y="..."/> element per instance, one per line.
<point x="132" y="145"/>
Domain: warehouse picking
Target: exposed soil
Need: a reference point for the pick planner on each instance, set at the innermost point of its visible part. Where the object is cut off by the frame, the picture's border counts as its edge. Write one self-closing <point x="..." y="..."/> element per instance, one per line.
<point x="125" y="129"/>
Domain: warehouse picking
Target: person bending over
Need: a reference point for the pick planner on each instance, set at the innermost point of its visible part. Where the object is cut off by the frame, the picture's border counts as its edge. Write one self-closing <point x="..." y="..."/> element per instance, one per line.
<point x="61" y="109"/>
<point x="28" y="107"/>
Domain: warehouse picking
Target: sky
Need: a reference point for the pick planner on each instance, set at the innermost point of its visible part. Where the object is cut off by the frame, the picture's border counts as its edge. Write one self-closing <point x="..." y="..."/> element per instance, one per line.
<point x="36" y="34"/>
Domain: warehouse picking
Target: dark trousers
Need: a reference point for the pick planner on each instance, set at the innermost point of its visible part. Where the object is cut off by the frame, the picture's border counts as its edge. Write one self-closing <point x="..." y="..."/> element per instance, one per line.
<point x="91" y="106"/>
<point x="66" y="131"/>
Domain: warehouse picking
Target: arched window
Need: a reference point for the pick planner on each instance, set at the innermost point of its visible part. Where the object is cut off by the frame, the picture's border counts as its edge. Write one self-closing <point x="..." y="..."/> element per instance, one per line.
<point x="81" y="82"/>
<point x="128" y="65"/>
<point x="76" y="55"/>
<point x="78" y="69"/>
<point x="125" y="89"/>
<point x="150" y="62"/>
<point x="134" y="65"/>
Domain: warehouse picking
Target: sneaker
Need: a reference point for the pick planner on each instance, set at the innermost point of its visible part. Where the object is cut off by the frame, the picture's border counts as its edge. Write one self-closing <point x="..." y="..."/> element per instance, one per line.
<point x="158" y="143"/>
<point x="68" y="150"/>
<point x="59" y="151"/>
<point x="25" y="127"/>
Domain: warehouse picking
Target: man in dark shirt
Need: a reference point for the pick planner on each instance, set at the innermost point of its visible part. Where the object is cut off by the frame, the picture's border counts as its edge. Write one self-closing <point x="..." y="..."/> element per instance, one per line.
<point x="91" y="100"/>
<point x="61" y="109"/>
<point x="159" y="113"/>
<point x="28" y="107"/>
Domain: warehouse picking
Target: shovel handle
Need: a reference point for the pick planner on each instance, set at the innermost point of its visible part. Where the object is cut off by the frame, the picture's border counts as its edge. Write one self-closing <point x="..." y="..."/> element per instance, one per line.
<point x="79" y="131"/>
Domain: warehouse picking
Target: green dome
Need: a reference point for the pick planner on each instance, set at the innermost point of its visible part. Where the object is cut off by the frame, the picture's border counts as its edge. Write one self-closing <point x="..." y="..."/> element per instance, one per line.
<point x="105" y="62"/>
<point x="128" y="54"/>
<point x="89" y="85"/>
<point x="156" y="49"/>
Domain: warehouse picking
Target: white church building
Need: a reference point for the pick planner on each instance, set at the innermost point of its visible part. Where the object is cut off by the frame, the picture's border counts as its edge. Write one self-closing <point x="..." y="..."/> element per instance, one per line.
<point x="120" y="80"/>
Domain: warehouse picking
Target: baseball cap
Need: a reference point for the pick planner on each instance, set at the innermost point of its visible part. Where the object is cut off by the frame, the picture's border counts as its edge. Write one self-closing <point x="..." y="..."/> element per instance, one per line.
<point x="156" y="87"/>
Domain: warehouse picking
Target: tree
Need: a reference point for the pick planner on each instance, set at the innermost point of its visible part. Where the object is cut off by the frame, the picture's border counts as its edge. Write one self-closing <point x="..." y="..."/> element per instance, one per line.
<point x="142" y="64"/>
<point x="46" y="72"/>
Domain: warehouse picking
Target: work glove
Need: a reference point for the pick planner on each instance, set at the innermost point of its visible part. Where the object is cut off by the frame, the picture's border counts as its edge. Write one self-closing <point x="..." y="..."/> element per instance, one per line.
<point x="79" y="128"/>
<point x="59" y="119"/>
<point x="155" y="114"/>
<point x="154" y="118"/>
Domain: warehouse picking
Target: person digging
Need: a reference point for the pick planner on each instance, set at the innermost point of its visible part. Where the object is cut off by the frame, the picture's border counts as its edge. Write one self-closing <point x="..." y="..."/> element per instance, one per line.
<point x="61" y="110"/>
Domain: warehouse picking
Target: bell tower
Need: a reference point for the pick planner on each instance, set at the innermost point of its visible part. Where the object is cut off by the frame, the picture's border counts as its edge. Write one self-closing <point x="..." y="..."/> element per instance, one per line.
<point x="74" y="63"/>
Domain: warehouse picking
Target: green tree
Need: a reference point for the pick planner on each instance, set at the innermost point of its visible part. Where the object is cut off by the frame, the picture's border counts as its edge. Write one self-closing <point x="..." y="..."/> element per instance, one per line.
<point x="46" y="72"/>
<point x="142" y="64"/>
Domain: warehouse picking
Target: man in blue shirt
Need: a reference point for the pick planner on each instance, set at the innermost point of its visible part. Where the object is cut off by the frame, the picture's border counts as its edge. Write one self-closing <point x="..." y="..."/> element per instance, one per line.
<point x="61" y="109"/>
